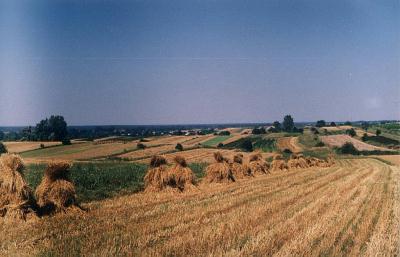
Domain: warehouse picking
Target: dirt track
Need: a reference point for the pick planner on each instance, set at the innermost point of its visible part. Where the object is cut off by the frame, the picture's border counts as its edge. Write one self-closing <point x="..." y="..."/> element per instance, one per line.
<point x="290" y="143"/>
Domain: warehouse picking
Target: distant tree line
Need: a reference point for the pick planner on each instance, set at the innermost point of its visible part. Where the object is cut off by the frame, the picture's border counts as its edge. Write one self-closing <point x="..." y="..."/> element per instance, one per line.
<point x="49" y="129"/>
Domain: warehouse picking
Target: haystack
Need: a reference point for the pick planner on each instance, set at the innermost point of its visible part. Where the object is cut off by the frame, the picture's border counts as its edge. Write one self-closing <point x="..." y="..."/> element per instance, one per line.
<point x="16" y="197"/>
<point x="56" y="193"/>
<point x="180" y="175"/>
<point x="157" y="176"/>
<point x="219" y="171"/>
<point x="258" y="165"/>
<point x="239" y="168"/>
<point x="297" y="162"/>
<point x="278" y="164"/>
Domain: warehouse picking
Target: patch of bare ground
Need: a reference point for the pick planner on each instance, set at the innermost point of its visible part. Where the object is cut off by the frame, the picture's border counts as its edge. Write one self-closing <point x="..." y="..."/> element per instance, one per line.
<point x="290" y="143"/>
<point x="351" y="208"/>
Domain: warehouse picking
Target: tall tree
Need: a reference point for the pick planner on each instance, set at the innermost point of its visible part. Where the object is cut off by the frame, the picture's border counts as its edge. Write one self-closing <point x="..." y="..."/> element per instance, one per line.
<point x="54" y="128"/>
<point x="288" y="123"/>
<point x="320" y="123"/>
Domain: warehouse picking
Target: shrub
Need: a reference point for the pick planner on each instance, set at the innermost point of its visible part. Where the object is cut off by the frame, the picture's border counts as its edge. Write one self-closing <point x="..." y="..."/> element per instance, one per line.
<point x="140" y="146"/>
<point x="351" y="132"/>
<point x="287" y="151"/>
<point x="66" y="142"/>
<point x="333" y="124"/>
<point x="364" y="137"/>
<point x="348" y="148"/>
<point x="42" y="145"/>
<point x="378" y="132"/>
<point x="179" y="147"/>
<point x="3" y="148"/>
<point x="247" y="145"/>
<point x="220" y="145"/>
<point x="225" y="133"/>
<point x="257" y="131"/>
<point x="320" y="144"/>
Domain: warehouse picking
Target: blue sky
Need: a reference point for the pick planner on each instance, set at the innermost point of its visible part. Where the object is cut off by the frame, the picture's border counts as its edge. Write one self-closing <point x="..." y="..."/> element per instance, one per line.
<point x="208" y="61"/>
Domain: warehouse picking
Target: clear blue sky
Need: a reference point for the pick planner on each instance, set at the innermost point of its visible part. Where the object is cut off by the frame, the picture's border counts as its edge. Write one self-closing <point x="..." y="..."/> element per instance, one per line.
<point x="205" y="61"/>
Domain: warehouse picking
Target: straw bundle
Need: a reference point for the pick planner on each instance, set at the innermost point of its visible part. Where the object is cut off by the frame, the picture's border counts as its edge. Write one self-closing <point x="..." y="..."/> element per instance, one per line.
<point x="219" y="171"/>
<point x="56" y="193"/>
<point x="16" y="197"/>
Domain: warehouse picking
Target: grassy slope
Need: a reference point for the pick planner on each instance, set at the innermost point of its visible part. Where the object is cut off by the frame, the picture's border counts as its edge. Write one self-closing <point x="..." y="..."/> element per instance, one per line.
<point x="216" y="140"/>
<point x="345" y="210"/>
<point x="96" y="181"/>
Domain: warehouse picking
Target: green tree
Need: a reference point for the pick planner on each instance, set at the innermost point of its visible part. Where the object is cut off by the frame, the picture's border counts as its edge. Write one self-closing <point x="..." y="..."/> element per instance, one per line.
<point x="320" y="123"/>
<point x="53" y="128"/>
<point x="378" y="132"/>
<point x="288" y="123"/>
<point x="277" y="125"/>
<point x="333" y="124"/>
<point x="347" y="123"/>
<point x="3" y="148"/>
<point x="1" y="135"/>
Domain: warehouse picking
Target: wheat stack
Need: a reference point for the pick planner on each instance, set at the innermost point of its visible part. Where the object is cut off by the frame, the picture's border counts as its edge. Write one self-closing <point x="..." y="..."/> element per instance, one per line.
<point x="258" y="165"/>
<point x="157" y="177"/>
<point x="219" y="171"/>
<point x="180" y="175"/>
<point x="278" y="164"/>
<point x="16" y="197"/>
<point x="56" y="193"/>
<point x="239" y="168"/>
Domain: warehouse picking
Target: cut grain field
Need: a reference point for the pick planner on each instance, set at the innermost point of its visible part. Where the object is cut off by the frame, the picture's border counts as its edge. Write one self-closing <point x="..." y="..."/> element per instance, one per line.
<point x="82" y="151"/>
<point x="349" y="209"/>
<point x="19" y="147"/>
<point x="340" y="140"/>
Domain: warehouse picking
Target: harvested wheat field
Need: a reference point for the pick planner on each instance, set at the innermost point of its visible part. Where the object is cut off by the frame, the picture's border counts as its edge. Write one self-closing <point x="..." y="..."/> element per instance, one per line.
<point x="349" y="209"/>
<point x="19" y="147"/>
<point x="202" y="155"/>
<point x="290" y="143"/>
<point x="147" y="152"/>
<point x="339" y="140"/>
<point x="393" y="159"/>
<point x="173" y="140"/>
<point x="81" y="151"/>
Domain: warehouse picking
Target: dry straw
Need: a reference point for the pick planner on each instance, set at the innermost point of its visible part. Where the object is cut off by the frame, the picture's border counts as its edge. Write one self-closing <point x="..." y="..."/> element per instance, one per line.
<point x="220" y="171"/>
<point x="156" y="177"/>
<point x="258" y="165"/>
<point x="159" y="177"/>
<point x="56" y="193"/>
<point x="239" y="168"/>
<point x="297" y="162"/>
<point x="16" y="197"/>
<point x="180" y="175"/>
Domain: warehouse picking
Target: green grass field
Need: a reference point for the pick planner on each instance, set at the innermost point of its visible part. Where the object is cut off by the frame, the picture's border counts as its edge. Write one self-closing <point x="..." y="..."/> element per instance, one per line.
<point x="100" y="180"/>
<point x="216" y="140"/>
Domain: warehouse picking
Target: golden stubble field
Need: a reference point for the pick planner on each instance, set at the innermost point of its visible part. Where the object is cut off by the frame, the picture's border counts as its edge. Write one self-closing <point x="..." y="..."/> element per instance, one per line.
<point x="349" y="209"/>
